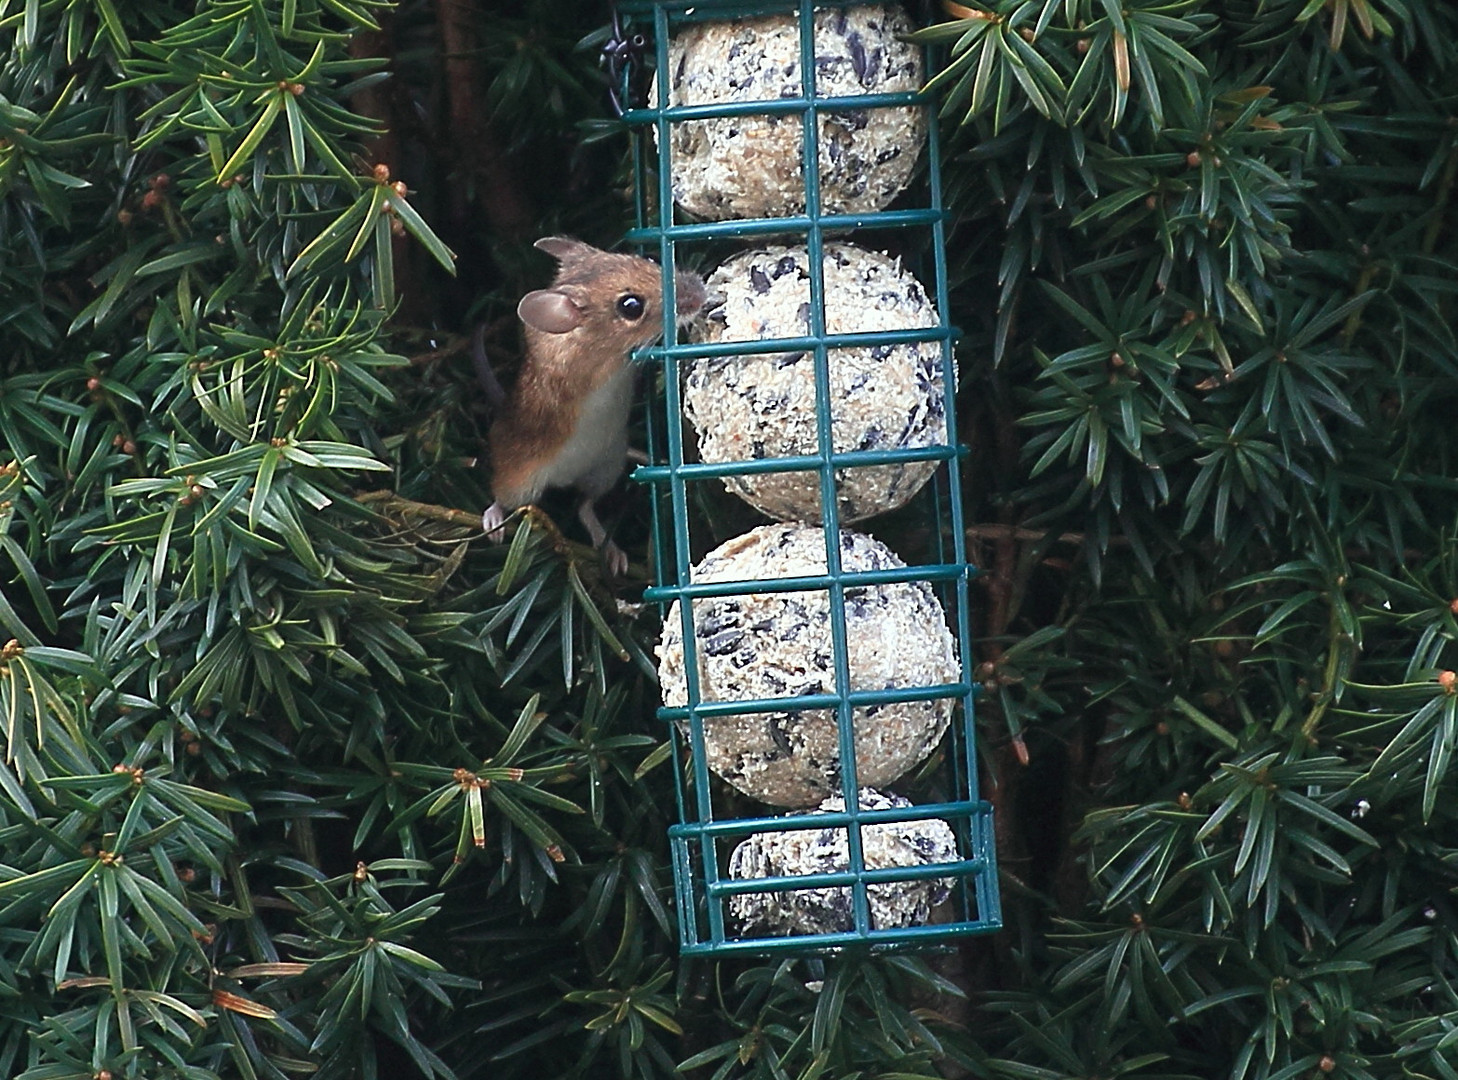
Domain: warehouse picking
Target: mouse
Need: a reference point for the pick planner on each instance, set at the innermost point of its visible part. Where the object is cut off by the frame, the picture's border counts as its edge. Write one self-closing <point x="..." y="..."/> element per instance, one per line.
<point x="564" y="424"/>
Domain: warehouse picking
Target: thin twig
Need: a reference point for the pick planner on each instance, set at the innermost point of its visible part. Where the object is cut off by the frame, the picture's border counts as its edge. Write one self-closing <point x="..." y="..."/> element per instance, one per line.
<point x="583" y="555"/>
<point x="457" y="345"/>
<point x="995" y="531"/>
<point x="389" y="503"/>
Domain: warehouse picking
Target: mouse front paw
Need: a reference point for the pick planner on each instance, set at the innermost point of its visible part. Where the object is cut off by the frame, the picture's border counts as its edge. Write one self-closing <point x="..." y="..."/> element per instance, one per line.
<point x="492" y="521"/>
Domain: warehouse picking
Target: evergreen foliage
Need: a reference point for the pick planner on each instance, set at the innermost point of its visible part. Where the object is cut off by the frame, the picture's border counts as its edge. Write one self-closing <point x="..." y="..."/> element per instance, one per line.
<point x="303" y="778"/>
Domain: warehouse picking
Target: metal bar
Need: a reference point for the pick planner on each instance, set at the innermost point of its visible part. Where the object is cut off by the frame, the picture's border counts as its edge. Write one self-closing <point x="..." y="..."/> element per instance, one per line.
<point x="794" y="223"/>
<point x="801" y="463"/>
<point x="716" y="10"/>
<point x="802" y="344"/>
<point x="804" y="702"/>
<point x="688" y="919"/>
<point x="678" y="495"/>
<point x="825" y="441"/>
<point x="832" y="819"/>
<point x="836" y="943"/>
<point x="807" y="583"/>
<point x="721" y="110"/>
<point x="842" y="878"/>
<point x="954" y="472"/>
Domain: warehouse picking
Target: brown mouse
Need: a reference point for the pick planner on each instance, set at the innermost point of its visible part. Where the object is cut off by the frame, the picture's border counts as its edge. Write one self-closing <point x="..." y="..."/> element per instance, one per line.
<point x="565" y="422"/>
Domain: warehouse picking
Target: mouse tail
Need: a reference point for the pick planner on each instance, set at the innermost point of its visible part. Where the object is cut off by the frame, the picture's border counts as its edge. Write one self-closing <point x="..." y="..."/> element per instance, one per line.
<point x="495" y="395"/>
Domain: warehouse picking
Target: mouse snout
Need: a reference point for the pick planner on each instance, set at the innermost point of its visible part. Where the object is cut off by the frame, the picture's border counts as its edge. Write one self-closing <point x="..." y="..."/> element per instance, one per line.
<point x="689" y="295"/>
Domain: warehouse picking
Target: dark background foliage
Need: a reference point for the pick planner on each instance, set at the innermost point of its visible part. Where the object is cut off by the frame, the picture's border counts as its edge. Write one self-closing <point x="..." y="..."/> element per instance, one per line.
<point x="301" y="777"/>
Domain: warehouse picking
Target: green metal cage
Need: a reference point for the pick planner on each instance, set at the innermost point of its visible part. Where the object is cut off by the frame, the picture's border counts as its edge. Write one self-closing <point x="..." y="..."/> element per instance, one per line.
<point x="706" y="829"/>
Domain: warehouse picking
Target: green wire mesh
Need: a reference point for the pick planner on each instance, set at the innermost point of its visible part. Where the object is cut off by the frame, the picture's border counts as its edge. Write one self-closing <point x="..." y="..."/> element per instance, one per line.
<point x="701" y="841"/>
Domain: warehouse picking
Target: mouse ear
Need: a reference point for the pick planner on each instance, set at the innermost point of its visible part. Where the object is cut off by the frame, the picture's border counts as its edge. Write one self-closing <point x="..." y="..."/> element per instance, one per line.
<point x="564" y="248"/>
<point x="550" y="311"/>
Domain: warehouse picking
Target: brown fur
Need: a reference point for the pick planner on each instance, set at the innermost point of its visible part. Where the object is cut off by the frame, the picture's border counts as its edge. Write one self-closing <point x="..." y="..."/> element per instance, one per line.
<point x="563" y="370"/>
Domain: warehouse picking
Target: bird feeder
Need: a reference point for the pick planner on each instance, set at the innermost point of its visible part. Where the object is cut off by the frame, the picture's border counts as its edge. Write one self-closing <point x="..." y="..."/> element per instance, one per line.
<point x="817" y="684"/>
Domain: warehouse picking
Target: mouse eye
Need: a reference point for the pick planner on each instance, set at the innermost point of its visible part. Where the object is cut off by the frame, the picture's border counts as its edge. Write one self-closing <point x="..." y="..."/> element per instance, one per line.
<point x="631" y="307"/>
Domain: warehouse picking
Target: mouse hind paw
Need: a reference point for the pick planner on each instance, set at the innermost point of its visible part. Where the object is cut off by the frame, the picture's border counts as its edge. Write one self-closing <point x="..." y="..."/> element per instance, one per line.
<point x="492" y="520"/>
<point x="614" y="560"/>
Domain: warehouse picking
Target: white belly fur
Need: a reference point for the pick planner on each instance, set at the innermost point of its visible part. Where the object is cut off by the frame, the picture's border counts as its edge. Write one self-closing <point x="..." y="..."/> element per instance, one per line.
<point x="593" y="457"/>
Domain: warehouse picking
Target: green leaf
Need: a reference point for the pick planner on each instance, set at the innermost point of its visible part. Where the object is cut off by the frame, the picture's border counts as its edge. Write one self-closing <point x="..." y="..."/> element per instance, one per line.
<point x="1205" y="723"/>
<point x="272" y="105"/>
<point x="415" y="225"/>
<point x="526" y="722"/>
